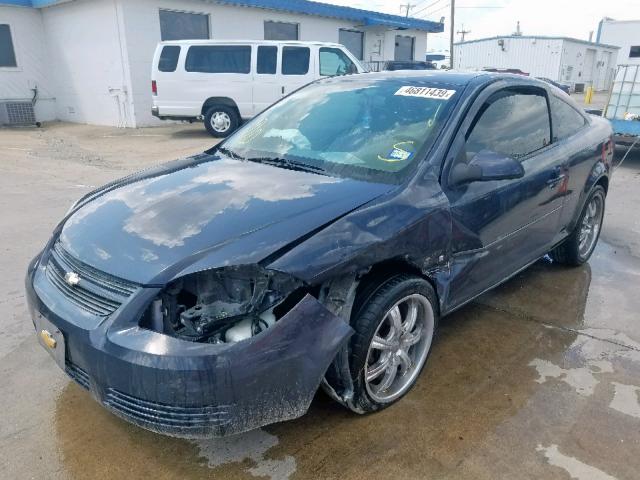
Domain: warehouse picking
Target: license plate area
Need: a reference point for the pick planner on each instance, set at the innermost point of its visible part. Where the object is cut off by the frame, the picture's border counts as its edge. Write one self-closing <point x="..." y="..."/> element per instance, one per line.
<point x="52" y="339"/>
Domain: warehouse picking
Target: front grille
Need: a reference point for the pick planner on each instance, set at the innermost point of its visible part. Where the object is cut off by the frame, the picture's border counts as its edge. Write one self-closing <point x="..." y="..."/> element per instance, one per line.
<point x="161" y="415"/>
<point x="79" y="375"/>
<point x="97" y="292"/>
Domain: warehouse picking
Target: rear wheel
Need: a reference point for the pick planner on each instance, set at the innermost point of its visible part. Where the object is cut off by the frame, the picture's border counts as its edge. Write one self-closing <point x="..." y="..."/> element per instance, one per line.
<point x="221" y="121"/>
<point x="579" y="246"/>
<point x="394" y="328"/>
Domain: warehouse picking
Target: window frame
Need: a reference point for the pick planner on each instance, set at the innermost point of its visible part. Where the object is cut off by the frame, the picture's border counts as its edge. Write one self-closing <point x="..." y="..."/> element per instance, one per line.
<point x="170" y="10"/>
<point x="352" y="30"/>
<point x="466" y="119"/>
<point x="264" y="31"/>
<point x="16" y="63"/>
<point x="298" y="47"/>
<point x="244" y="46"/>
<point x="257" y="48"/>
<point x="585" y="119"/>
<point x="177" y="62"/>
<point x="320" y="51"/>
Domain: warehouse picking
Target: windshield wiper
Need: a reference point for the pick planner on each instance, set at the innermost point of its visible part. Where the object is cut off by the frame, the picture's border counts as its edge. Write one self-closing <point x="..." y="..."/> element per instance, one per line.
<point x="230" y="153"/>
<point x="288" y="163"/>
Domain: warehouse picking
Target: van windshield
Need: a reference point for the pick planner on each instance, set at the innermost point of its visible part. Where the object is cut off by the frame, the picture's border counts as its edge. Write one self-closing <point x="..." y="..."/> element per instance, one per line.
<point x="359" y="126"/>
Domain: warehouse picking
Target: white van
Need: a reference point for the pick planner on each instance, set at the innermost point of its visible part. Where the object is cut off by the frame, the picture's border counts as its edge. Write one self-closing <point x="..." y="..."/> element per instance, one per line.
<point x="224" y="82"/>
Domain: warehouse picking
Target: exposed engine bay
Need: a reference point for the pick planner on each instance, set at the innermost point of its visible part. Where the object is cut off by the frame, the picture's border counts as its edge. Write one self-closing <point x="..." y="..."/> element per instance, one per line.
<point x="224" y="305"/>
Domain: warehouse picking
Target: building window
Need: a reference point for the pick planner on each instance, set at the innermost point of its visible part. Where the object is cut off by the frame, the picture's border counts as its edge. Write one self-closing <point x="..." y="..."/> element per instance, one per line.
<point x="7" y="54"/>
<point x="634" y="51"/>
<point x="280" y="31"/>
<point x="267" y="59"/>
<point x="295" y="60"/>
<point x="353" y="40"/>
<point x="404" y="48"/>
<point x="183" y="25"/>
<point x="218" y="59"/>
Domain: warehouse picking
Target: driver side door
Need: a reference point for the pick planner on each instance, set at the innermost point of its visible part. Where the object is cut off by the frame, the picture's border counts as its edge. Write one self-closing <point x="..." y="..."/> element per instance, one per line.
<point x="500" y="226"/>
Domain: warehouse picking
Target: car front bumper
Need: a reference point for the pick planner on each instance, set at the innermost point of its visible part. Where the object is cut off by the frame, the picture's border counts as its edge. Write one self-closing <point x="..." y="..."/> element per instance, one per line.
<point x="188" y="389"/>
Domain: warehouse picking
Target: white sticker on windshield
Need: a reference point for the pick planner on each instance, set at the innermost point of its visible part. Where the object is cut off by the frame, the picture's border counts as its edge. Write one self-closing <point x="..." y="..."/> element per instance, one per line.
<point x="425" y="92"/>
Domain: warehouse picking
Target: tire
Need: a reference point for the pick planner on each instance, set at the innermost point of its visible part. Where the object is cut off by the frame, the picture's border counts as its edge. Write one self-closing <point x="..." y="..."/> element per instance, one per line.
<point x="220" y="120"/>
<point x="572" y="251"/>
<point x="373" y="318"/>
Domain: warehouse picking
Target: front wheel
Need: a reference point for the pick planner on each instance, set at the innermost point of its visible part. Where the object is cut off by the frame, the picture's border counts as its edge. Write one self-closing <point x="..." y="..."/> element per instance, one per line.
<point x="220" y="120"/>
<point x="579" y="246"/>
<point x="394" y="330"/>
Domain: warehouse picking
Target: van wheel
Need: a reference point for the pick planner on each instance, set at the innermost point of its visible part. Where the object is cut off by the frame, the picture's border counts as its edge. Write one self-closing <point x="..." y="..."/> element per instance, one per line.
<point x="394" y="330"/>
<point x="221" y="120"/>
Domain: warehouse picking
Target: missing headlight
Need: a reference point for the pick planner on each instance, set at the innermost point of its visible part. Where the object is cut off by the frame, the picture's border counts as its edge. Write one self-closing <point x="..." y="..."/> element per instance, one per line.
<point x="222" y="305"/>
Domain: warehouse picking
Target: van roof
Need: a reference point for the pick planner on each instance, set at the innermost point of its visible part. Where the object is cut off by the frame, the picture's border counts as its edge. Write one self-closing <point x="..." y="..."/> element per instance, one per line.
<point x="246" y="42"/>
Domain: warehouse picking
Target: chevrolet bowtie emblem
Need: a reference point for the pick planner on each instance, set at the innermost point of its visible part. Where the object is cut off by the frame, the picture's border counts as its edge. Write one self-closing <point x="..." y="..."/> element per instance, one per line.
<point x="72" y="278"/>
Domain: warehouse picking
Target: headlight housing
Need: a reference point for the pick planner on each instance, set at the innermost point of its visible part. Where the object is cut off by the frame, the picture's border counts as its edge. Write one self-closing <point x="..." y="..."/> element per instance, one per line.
<point x="221" y="305"/>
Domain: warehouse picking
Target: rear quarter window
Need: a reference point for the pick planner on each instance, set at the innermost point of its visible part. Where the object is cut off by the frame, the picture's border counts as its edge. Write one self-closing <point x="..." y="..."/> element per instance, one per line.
<point x="566" y="120"/>
<point x="219" y="59"/>
<point x="169" y="58"/>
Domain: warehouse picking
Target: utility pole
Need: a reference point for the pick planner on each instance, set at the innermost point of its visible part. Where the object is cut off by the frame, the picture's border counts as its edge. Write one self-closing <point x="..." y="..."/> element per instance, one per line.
<point x="408" y="6"/>
<point x="462" y="33"/>
<point x="452" y="32"/>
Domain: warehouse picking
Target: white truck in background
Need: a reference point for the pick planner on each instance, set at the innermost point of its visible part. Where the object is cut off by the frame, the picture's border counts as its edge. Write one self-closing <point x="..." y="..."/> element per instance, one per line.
<point x="225" y="82"/>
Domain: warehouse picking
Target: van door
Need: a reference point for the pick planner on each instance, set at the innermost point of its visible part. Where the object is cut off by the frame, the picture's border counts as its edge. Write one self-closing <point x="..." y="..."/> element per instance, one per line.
<point x="297" y="68"/>
<point x="267" y="87"/>
<point x="221" y="71"/>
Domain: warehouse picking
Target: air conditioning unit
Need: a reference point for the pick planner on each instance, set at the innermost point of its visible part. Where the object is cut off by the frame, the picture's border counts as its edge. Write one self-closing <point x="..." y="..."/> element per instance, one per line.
<point x="14" y="112"/>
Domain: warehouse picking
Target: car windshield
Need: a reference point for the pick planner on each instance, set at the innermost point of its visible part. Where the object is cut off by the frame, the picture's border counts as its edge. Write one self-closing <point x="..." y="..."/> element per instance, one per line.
<point x="367" y="128"/>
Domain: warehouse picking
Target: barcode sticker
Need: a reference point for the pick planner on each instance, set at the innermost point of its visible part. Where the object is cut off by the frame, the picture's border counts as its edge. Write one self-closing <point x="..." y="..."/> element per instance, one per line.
<point x="425" y="92"/>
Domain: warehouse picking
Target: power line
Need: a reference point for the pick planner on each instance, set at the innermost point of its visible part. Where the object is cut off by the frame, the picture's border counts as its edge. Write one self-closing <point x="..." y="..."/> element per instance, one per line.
<point x="437" y="10"/>
<point x="427" y="7"/>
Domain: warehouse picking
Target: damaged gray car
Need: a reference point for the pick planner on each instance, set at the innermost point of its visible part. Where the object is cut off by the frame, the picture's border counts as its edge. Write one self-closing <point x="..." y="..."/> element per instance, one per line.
<point x="317" y="246"/>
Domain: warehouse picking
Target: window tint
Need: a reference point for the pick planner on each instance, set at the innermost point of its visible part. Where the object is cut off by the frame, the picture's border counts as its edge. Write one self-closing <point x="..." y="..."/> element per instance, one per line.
<point x="7" y="54"/>
<point x="353" y="40"/>
<point x="511" y="123"/>
<point x="333" y="61"/>
<point x="634" y="51"/>
<point x="219" y="59"/>
<point x="183" y="26"/>
<point x="169" y="58"/>
<point x="267" y="59"/>
<point x="295" y="60"/>
<point x="565" y="119"/>
<point x="404" y="48"/>
<point x="280" y="31"/>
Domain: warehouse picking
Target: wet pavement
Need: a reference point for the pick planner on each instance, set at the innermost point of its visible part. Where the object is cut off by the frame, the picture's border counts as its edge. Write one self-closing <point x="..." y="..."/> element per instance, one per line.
<point x="537" y="379"/>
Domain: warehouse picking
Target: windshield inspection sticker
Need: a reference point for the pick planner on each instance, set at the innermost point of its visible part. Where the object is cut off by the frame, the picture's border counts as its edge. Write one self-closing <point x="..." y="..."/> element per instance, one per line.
<point x="401" y="152"/>
<point x="425" y="92"/>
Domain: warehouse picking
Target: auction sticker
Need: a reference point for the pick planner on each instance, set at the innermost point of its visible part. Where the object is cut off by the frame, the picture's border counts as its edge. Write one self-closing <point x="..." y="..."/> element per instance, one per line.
<point x="425" y="92"/>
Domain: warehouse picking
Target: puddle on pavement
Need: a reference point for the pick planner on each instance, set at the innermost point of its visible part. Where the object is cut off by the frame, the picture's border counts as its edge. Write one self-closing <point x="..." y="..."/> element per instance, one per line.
<point x="485" y="406"/>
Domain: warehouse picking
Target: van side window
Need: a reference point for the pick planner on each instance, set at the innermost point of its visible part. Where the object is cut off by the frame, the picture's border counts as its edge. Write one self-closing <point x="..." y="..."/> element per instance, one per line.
<point x="219" y="59"/>
<point x="513" y="123"/>
<point x="169" y="58"/>
<point x="295" y="60"/>
<point x="566" y="120"/>
<point x="267" y="59"/>
<point x="333" y="61"/>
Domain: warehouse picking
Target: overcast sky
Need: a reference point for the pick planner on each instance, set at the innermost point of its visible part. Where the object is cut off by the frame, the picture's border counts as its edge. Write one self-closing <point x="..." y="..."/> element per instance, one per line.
<point x="570" y="18"/>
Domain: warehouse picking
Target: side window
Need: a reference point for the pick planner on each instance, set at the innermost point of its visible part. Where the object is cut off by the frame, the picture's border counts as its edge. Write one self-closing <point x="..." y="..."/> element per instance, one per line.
<point x="219" y="59"/>
<point x="565" y="119"/>
<point x="333" y="61"/>
<point x="511" y="123"/>
<point x="169" y="58"/>
<point x="295" y="60"/>
<point x="267" y="59"/>
<point x="7" y="54"/>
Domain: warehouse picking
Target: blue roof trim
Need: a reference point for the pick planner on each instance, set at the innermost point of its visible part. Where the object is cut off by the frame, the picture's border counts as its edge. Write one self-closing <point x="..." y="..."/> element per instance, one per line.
<point x="30" y="3"/>
<point x="364" y="17"/>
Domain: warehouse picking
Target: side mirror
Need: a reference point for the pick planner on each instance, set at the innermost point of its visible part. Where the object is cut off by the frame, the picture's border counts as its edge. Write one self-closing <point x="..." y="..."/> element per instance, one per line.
<point x="485" y="166"/>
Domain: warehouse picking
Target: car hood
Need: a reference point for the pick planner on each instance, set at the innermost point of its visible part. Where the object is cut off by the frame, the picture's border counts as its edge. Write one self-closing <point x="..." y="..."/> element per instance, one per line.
<point x="208" y="213"/>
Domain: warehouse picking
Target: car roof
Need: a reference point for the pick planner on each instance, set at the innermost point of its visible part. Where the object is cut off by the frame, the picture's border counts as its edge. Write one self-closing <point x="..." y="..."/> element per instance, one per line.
<point x="247" y="42"/>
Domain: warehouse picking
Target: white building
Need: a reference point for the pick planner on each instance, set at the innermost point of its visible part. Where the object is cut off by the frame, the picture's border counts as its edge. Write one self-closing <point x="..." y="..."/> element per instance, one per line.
<point x="90" y="60"/>
<point x="625" y="34"/>
<point x="566" y="60"/>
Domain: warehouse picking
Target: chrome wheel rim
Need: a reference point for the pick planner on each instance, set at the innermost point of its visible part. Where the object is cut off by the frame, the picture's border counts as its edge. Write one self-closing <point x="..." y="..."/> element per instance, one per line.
<point x="590" y="226"/>
<point x="220" y="122"/>
<point x="399" y="348"/>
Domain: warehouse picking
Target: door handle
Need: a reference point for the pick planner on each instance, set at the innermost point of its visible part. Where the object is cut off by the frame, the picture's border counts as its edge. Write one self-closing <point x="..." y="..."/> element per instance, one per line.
<point x="283" y="90"/>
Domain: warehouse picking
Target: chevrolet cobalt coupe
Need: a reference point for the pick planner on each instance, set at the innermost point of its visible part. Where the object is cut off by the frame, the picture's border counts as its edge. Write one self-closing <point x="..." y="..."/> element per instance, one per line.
<point x="317" y="246"/>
